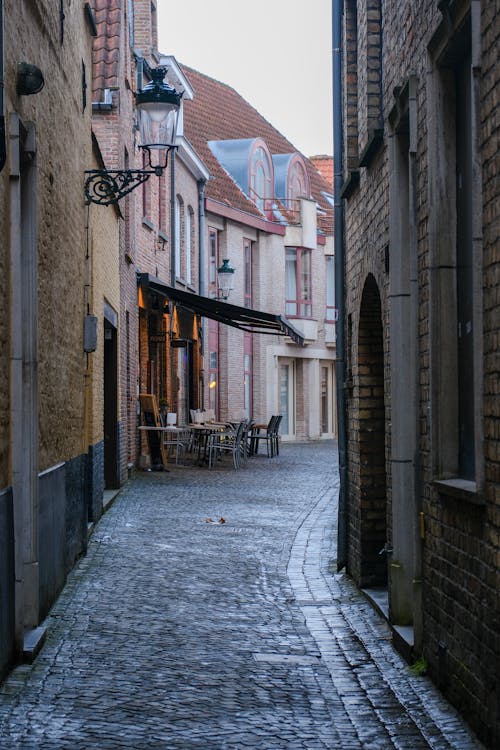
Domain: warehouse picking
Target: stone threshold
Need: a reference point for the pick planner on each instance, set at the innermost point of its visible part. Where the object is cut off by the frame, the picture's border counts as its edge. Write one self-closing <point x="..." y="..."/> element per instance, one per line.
<point x="33" y="642"/>
<point x="402" y="635"/>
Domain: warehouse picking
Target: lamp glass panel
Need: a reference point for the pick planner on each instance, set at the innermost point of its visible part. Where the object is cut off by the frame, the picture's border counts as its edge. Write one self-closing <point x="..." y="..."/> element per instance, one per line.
<point x="158" y="128"/>
<point x="225" y="283"/>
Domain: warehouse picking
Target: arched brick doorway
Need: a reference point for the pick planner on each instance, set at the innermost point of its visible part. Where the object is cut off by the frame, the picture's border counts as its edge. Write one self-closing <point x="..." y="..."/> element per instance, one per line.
<point x="373" y="501"/>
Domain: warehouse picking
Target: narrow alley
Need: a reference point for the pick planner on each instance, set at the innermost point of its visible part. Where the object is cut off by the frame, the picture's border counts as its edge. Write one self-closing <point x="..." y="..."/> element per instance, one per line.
<point x="208" y="614"/>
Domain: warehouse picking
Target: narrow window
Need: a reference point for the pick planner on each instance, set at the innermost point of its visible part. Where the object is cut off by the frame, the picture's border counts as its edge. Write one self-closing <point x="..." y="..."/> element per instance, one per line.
<point x="188" y="240"/>
<point x="213" y="365"/>
<point x="212" y="262"/>
<point x="178" y="236"/>
<point x="331" y="310"/>
<point x="247" y="370"/>
<point x="324" y="401"/>
<point x="298" y="282"/>
<point x="465" y="343"/>
<point x="247" y="250"/>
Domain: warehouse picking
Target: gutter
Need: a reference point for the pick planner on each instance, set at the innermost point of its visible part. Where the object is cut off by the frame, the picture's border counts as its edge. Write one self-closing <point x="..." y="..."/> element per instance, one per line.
<point x="338" y="208"/>
<point x="3" y="145"/>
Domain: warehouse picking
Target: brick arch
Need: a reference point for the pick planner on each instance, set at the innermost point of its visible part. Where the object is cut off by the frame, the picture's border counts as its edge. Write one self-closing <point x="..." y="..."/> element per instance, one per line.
<point x="373" y="500"/>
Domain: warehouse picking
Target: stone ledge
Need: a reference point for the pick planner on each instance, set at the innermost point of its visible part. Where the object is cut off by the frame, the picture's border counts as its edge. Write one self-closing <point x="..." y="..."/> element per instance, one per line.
<point x="459" y="489"/>
<point x="33" y="642"/>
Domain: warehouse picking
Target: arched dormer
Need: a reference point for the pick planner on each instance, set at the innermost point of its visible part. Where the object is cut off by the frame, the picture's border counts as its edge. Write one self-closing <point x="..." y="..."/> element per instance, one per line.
<point x="261" y="175"/>
<point x="250" y="164"/>
<point x="291" y="179"/>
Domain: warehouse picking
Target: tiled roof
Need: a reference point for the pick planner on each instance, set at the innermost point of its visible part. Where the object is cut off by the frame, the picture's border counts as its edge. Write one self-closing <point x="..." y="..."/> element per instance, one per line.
<point x="324" y="165"/>
<point x="106" y="47"/>
<point x="217" y="112"/>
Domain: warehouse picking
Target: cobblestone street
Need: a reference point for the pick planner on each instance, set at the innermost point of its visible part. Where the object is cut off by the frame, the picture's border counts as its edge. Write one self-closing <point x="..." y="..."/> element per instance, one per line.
<point x="178" y="631"/>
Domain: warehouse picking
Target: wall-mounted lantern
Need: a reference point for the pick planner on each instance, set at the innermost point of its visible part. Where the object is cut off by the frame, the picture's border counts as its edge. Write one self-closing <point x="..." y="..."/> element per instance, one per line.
<point x="225" y="276"/>
<point x="158" y="106"/>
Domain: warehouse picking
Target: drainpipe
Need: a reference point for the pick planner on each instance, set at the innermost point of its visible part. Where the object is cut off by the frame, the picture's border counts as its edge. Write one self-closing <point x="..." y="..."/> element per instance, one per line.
<point x="202" y="286"/>
<point x="339" y="278"/>
<point x="173" y="234"/>
<point x="3" y="146"/>
<point x="202" y="275"/>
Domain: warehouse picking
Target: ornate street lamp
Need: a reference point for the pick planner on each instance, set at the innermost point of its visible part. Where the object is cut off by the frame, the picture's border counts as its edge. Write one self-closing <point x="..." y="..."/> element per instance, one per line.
<point x="225" y="279"/>
<point x="158" y="106"/>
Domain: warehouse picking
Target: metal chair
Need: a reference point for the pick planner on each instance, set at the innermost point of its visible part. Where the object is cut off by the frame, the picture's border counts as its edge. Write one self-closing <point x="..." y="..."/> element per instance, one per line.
<point x="276" y="430"/>
<point x="227" y="441"/>
<point x="268" y="437"/>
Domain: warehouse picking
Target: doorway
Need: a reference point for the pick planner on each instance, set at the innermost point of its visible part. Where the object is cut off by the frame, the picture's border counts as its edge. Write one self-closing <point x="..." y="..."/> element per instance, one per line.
<point x="327" y="412"/>
<point x="287" y="396"/>
<point x="111" y="480"/>
<point x="373" y="499"/>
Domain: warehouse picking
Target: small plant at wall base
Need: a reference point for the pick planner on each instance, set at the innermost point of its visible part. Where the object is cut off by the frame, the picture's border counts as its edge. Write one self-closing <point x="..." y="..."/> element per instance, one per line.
<point x="419" y="668"/>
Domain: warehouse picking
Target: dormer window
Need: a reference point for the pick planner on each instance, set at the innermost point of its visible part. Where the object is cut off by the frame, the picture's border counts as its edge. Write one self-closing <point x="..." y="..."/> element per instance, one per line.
<point x="261" y="176"/>
<point x="291" y="181"/>
<point x="298" y="181"/>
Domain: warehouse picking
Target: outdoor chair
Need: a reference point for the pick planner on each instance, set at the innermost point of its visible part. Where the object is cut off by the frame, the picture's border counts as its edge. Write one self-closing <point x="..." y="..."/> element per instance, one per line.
<point x="268" y="437"/>
<point x="227" y="441"/>
<point x="276" y="430"/>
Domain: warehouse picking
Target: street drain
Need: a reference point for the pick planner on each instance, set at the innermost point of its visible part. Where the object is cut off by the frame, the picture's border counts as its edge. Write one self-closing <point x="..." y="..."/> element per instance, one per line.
<point x="316" y="602"/>
<point x="298" y="659"/>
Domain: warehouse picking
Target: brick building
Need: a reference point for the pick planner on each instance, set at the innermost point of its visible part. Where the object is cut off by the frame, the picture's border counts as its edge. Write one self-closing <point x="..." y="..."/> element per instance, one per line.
<point x="419" y="187"/>
<point x="268" y="210"/>
<point x="45" y="146"/>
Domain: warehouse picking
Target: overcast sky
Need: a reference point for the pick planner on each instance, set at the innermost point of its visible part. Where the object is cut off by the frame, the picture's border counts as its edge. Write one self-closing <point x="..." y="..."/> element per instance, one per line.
<point x="276" y="53"/>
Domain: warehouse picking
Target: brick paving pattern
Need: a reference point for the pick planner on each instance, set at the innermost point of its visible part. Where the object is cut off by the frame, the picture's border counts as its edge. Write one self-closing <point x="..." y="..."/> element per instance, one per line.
<point x="177" y="633"/>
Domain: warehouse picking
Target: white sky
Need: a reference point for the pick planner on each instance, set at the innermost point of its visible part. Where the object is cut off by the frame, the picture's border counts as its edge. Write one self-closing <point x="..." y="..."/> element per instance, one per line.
<point x="276" y="53"/>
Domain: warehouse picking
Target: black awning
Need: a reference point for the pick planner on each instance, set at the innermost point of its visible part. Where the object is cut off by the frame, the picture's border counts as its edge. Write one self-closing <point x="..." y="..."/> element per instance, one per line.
<point x="243" y="318"/>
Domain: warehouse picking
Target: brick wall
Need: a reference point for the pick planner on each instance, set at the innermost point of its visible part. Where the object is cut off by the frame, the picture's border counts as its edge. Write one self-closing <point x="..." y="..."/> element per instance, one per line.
<point x="63" y="153"/>
<point x="460" y="553"/>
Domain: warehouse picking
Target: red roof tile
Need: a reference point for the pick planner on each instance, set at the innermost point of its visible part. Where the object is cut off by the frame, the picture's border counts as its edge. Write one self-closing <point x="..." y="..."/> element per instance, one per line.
<point x="217" y="113"/>
<point x="324" y="165"/>
<point x="106" y="47"/>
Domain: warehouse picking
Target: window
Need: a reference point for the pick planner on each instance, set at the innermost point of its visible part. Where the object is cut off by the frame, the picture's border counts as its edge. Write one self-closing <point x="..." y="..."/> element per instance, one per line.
<point x="286" y="395"/>
<point x="213" y="365"/>
<point x="179" y="216"/>
<point x="298" y="182"/>
<point x="331" y="310"/>
<point x="161" y="203"/>
<point x="465" y="260"/>
<point x="247" y="374"/>
<point x="247" y="253"/>
<point x="212" y="262"/>
<point x="261" y="178"/>
<point x="146" y="191"/>
<point x="456" y="259"/>
<point x="298" y="282"/>
<point x="188" y="242"/>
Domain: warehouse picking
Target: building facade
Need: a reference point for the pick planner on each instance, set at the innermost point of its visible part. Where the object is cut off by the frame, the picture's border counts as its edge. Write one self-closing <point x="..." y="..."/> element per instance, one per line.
<point x="45" y="147"/>
<point x="420" y="209"/>
<point x="269" y="212"/>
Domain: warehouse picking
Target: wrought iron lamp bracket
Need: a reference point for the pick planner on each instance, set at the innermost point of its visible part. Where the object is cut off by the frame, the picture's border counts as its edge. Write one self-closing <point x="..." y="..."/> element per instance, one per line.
<point x="107" y="187"/>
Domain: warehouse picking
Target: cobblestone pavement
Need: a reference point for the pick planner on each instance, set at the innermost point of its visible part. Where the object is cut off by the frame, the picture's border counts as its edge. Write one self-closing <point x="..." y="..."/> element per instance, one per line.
<point x="179" y="633"/>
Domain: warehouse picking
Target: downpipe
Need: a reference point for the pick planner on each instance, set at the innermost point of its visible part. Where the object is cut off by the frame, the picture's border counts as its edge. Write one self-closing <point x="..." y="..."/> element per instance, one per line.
<point x="342" y="540"/>
<point x="3" y="144"/>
